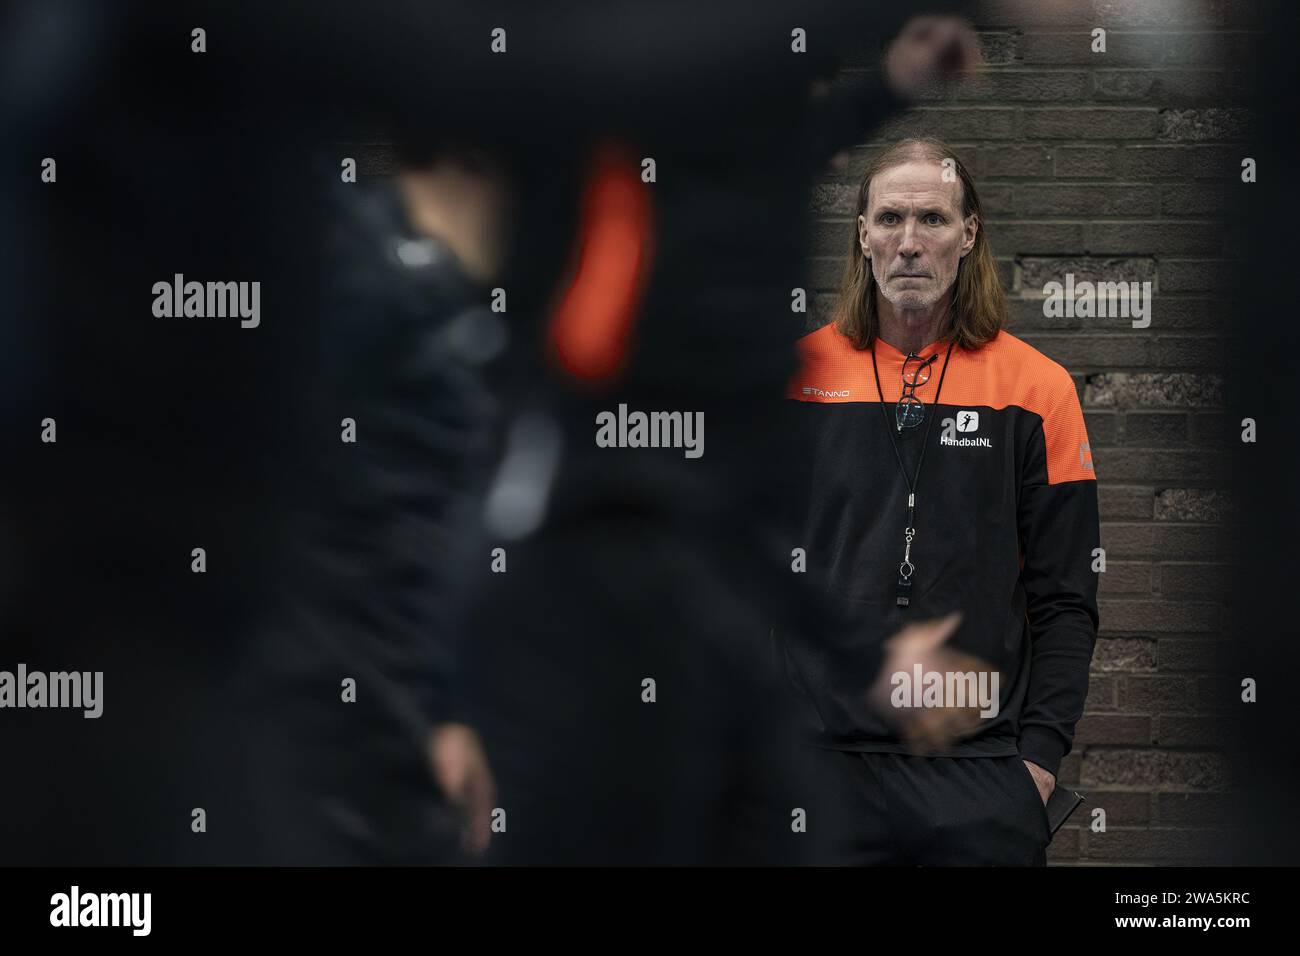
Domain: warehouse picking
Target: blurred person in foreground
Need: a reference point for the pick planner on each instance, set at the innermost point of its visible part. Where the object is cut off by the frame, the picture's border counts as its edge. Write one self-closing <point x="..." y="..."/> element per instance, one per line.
<point x="227" y="733"/>
<point x="387" y="771"/>
<point x="620" y="639"/>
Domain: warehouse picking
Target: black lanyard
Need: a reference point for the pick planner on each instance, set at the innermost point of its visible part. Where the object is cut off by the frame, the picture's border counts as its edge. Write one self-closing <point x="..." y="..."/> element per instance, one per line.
<point x="906" y="568"/>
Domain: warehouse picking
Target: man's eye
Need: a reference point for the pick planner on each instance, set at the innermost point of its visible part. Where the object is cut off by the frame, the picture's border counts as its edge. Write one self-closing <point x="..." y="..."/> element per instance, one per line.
<point x="934" y="219"/>
<point x="888" y="218"/>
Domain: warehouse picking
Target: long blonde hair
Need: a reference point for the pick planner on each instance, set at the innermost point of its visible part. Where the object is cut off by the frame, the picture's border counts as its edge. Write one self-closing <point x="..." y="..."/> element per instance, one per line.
<point x="979" y="306"/>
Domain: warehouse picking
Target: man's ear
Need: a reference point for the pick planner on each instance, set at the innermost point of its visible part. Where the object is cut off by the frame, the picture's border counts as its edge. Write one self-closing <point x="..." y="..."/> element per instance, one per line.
<point x="863" y="244"/>
<point x="970" y="229"/>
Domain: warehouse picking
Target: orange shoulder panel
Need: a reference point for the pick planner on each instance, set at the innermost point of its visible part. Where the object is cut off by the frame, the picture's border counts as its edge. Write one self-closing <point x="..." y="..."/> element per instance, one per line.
<point x="1042" y="386"/>
<point x="1005" y="372"/>
<point x="831" y="369"/>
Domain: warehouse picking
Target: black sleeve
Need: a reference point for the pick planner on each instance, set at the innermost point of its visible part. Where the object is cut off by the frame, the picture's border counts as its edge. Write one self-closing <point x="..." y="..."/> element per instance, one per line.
<point x="860" y="101"/>
<point x="1059" y="534"/>
<point x="397" y="509"/>
<point x="848" y="114"/>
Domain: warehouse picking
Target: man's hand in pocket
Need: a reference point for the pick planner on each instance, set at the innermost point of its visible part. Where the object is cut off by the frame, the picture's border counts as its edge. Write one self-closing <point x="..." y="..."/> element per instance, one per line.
<point x="1045" y="781"/>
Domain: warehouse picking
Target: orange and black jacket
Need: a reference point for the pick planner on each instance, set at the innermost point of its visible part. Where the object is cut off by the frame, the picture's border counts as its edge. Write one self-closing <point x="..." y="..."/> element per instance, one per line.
<point x="1006" y="531"/>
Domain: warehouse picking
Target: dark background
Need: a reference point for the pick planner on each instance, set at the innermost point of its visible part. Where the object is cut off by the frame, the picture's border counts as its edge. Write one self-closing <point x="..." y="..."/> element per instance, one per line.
<point x="1122" y="165"/>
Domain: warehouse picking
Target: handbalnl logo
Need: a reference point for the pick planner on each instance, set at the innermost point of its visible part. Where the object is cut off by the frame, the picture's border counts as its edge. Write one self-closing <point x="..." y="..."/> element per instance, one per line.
<point x="966" y="421"/>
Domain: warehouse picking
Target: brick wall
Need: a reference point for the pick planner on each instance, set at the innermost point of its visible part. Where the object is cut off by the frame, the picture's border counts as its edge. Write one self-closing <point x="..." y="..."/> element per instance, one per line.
<point x="1118" y="166"/>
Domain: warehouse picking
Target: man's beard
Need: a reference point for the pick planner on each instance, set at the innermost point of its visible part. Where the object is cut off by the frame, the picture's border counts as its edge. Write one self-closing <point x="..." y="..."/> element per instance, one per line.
<point x="910" y="298"/>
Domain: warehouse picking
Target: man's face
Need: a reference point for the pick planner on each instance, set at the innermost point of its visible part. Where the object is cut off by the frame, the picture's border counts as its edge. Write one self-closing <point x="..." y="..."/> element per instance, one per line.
<point x="914" y="233"/>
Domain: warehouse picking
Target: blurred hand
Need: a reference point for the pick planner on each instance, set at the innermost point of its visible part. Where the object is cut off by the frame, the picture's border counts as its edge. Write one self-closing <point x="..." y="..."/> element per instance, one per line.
<point x="463" y="199"/>
<point x="929" y="50"/>
<point x="461" y="771"/>
<point x="925" y="729"/>
<point x="1045" y="779"/>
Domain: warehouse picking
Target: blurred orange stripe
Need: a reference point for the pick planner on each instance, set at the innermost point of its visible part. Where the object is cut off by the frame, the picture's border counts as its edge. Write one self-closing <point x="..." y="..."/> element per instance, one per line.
<point x="591" y="328"/>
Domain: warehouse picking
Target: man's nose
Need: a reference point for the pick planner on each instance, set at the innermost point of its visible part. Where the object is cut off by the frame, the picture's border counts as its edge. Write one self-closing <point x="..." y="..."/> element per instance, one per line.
<point x="909" y="246"/>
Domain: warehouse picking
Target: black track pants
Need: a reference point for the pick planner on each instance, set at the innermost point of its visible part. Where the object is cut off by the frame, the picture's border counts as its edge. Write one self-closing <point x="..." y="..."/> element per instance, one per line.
<point x="879" y="809"/>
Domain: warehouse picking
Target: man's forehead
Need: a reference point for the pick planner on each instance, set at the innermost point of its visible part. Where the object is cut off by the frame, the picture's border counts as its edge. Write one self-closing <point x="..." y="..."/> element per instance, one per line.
<point x="915" y="182"/>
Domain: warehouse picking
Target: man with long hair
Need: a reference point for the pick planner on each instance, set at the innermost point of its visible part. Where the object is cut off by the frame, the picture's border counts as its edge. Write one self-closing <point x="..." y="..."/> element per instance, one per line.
<point x="951" y="472"/>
